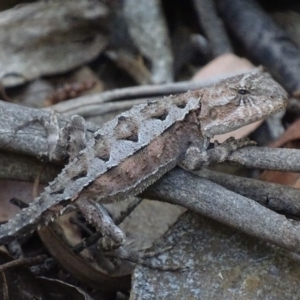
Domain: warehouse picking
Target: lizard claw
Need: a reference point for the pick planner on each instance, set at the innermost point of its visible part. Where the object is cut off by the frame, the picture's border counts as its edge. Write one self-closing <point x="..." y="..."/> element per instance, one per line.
<point x="232" y="144"/>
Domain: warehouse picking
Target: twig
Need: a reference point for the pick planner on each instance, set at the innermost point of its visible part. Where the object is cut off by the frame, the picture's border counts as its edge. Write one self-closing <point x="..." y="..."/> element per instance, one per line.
<point x="86" y="104"/>
<point x="213" y="27"/>
<point x="274" y="196"/>
<point x="129" y="209"/>
<point x="25" y="168"/>
<point x="278" y="159"/>
<point x="23" y="262"/>
<point x="88" y="110"/>
<point x="148" y="30"/>
<point x="5" y="292"/>
<point x="273" y="48"/>
<point x="131" y="65"/>
<point x="87" y="242"/>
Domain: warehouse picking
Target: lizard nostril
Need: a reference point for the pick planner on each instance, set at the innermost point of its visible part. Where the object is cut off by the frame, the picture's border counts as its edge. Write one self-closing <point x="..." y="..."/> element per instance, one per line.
<point x="242" y="91"/>
<point x="213" y="114"/>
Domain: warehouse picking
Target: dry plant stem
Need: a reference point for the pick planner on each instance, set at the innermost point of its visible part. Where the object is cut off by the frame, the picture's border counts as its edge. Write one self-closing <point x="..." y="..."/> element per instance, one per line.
<point x="218" y="203"/>
<point x="86" y="104"/>
<point x="277" y="159"/>
<point x="274" y="196"/>
<point x="46" y="266"/>
<point x="87" y="242"/>
<point x="129" y="209"/>
<point x="5" y="292"/>
<point x="94" y="110"/>
<point x="213" y="27"/>
<point x="22" y="262"/>
<point x="82" y="225"/>
<point x="19" y="203"/>
<point x="15" y="249"/>
<point x="22" y="167"/>
<point x="146" y="23"/>
<point x="126" y="93"/>
<point x="131" y="65"/>
<point x="273" y="48"/>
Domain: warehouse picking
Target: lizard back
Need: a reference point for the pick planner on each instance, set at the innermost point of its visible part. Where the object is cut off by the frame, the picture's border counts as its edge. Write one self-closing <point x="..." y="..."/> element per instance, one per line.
<point x="115" y="141"/>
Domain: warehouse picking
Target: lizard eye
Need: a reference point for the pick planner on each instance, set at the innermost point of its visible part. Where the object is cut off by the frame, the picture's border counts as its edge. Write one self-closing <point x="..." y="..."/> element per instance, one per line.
<point x="242" y="91"/>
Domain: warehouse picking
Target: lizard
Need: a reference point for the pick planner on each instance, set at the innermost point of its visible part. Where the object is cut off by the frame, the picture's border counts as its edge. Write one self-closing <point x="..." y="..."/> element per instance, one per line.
<point x="137" y="147"/>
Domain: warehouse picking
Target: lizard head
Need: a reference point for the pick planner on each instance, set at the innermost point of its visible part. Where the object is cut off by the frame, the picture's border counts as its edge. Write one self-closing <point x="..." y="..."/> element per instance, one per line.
<point x="238" y="101"/>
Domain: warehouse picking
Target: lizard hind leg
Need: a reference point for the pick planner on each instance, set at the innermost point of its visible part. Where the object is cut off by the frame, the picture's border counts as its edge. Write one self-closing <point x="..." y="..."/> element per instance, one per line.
<point x="96" y="214"/>
<point x="113" y="240"/>
<point x="76" y="131"/>
<point x="69" y="139"/>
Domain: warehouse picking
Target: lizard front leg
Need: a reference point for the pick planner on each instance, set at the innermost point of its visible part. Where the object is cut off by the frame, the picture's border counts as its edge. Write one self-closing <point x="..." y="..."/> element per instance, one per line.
<point x="195" y="157"/>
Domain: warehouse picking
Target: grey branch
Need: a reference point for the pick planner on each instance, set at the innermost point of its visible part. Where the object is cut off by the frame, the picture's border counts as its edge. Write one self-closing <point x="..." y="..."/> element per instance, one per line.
<point x="277" y="159"/>
<point x="277" y="197"/>
<point x="209" y="199"/>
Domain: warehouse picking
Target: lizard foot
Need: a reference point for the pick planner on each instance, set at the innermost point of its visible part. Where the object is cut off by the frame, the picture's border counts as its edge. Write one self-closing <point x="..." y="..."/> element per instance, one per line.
<point x="140" y="258"/>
